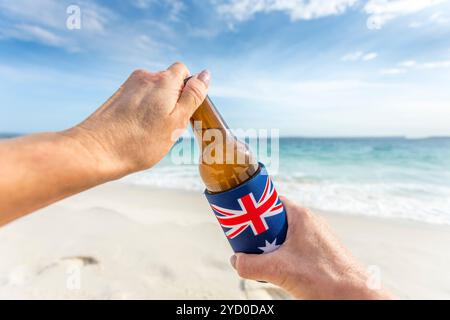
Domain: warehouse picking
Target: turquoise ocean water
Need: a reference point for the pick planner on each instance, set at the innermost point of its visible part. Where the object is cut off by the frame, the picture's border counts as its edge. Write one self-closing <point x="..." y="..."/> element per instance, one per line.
<point x="389" y="177"/>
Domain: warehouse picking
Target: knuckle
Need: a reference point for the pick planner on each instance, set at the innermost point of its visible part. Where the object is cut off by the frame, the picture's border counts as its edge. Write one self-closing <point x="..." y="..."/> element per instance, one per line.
<point x="178" y="69"/>
<point x="242" y="269"/>
<point x="141" y="77"/>
<point x="297" y="209"/>
<point x="162" y="76"/>
<point x="243" y="273"/>
<point x="196" y="93"/>
<point x="181" y="65"/>
<point x="249" y="269"/>
<point x="307" y="213"/>
<point x="140" y="73"/>
<point x="193" y="99"/>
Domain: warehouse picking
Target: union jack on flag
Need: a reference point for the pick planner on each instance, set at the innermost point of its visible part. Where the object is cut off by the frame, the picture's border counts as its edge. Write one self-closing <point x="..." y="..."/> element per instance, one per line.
<point x="253" y="213"/>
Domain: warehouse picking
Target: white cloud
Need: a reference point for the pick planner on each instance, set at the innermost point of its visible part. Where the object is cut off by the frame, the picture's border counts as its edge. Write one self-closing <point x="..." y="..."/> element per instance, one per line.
<point x="352" y="56"/>
<point x="382" y="11"/>
<point x="438" y="18"/>
<point x="379" y="11"/>
<point x="241" y="10"/>
<point x="175" y="7"/>
<point x="31" y="32"/>
<point x="45" y="22"/>
<point x="440" y="64"/>
<point x="407" y="64"/>
<point x="44" y="12"/>
<point x="392" y="71"/>
<point x="416" y="24"/>
<point x="359" y="56"/>
<point x="436" y="65"/>
<point x="370" y="56"/>
<point x="350" y="107"/>
<point x="51" y="14"/>
<point x="143" y="4"/>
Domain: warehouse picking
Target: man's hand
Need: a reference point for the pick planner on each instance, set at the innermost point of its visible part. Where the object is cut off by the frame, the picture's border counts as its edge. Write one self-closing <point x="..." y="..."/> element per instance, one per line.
<point x="139" y="124"/>
<point x="131" y="131"/>
<point x="311" y="264"/>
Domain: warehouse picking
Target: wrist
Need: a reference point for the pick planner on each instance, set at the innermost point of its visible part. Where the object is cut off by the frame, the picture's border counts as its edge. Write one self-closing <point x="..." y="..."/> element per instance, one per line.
<point x="93" y="154"/>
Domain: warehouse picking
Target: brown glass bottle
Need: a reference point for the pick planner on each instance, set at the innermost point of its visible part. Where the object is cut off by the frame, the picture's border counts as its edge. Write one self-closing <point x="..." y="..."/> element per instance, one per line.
<point x="225" y="161"/>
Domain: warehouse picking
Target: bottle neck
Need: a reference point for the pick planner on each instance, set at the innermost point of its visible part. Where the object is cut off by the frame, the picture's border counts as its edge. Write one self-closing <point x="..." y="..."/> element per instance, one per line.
<point x="210" y="128"/>
<point x="207" y="117"/>
<point x="225" y="161"/>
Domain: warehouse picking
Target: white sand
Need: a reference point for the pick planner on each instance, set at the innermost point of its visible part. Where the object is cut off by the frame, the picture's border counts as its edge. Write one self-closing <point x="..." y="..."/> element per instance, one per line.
<point x="120" y="241"/>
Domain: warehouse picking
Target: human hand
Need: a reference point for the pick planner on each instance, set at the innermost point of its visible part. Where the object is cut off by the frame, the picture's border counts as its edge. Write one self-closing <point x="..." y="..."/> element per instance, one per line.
<point x="138" y="125"/>
<point x="311" y="264"/>
<point x="131" y="131"/>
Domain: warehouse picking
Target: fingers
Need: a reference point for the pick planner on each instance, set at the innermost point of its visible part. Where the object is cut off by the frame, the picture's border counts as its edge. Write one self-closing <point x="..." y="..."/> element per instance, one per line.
<point x="290" y="207"/>
<point x="293" y="209"/>
<point x="296" y="216"/>
<point x="179" y="71"/>
<point x="262" y="267"/>
<point x="193" y="94"/>
<point x="287" y="203"/>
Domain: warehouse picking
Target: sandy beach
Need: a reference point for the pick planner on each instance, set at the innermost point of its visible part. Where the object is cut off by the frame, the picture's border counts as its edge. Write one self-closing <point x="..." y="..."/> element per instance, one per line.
<point x="124" y="241"/>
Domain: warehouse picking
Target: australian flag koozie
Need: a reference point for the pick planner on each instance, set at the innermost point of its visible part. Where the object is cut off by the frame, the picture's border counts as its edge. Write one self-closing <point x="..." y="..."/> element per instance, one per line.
<point x="251" y="215"/>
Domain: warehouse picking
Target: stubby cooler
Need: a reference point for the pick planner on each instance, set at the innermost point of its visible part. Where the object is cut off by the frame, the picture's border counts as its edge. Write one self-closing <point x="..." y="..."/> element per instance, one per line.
<point x="251" y="214"/>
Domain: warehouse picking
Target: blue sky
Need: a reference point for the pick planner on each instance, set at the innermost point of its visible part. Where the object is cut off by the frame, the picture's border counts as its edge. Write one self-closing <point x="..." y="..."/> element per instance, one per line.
<point x="309" y="68"/>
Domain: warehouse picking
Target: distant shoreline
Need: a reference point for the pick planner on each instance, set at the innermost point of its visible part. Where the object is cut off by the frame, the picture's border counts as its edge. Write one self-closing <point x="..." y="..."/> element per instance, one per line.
<point x="7" y="135"/>
<point x="14" y="135"/>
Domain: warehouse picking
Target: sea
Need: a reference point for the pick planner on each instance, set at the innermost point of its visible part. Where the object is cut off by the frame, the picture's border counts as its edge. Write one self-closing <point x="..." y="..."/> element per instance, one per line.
<point x="381" y="177"/>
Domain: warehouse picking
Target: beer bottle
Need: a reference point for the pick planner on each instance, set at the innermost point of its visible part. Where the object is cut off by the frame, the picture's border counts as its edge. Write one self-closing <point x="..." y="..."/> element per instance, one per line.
<point x="238" y="188"/>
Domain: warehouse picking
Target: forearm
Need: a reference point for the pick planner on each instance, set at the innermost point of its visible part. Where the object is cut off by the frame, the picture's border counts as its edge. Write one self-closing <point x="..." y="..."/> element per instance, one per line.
<point x="40" y="169"/>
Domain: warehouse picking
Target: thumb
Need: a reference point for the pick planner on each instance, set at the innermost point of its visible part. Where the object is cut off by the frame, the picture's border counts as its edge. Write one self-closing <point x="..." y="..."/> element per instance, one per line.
<point x="260" y="267"/>
<point x="194" y="93"/>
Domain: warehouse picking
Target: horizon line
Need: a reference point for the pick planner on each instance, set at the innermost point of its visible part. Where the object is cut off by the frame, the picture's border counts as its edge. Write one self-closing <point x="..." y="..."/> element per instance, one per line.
<point x="406" y="137"/>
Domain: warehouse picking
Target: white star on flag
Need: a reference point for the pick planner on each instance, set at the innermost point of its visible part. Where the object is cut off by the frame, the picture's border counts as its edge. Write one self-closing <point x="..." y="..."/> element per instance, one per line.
<point x="269" y="247"/>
